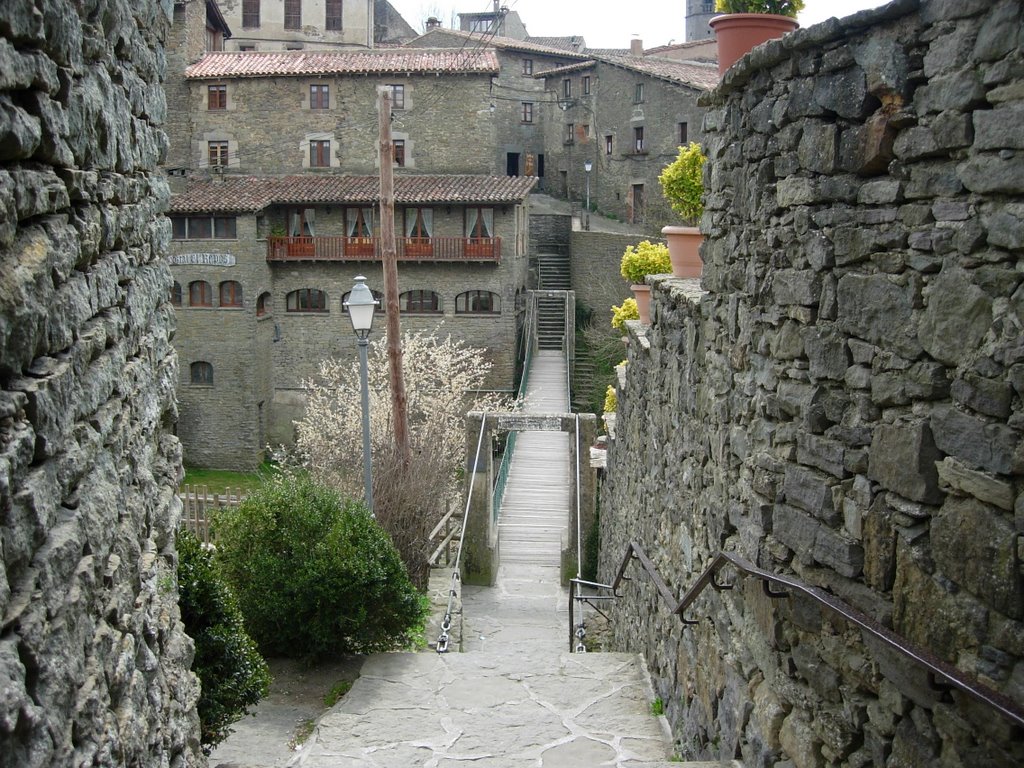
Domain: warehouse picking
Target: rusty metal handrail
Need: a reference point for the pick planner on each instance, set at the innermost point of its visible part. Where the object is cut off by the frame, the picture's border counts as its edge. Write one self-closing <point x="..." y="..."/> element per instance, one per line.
<point x="935" y="666"/>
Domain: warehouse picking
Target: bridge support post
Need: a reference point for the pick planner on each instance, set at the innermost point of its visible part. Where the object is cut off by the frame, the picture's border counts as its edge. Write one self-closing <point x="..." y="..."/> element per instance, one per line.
<point x="480" y="549"/>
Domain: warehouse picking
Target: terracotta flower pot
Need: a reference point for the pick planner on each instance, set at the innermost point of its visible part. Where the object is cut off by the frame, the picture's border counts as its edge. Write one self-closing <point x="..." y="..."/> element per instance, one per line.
<point x="642" y="294"/>
<point x="740" y="33"/>
<point x="684" y="250"/>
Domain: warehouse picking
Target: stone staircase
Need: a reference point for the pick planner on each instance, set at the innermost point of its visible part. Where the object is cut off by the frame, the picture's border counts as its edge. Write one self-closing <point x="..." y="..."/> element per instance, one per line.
<point x="553" y="272"/>
<point x="550" y="322"/>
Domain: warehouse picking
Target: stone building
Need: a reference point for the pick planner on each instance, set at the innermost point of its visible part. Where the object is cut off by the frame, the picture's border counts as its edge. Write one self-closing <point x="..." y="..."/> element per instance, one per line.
<point x="698" y="14"/>
<point x="626" y="115"/>
<point x="280" y="213"/>
<point x="840" y="401"/>
<point x="94" y="660"/>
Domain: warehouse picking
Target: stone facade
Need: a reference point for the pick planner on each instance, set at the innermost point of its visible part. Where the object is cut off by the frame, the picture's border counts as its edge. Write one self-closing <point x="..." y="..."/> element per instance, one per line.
<point x="841" y="400"/>
<point x="269" y="30"/>
<point x="94" y="661"/>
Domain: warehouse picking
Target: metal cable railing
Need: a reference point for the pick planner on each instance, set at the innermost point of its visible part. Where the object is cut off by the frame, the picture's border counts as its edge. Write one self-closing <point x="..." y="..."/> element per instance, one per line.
<point x="936" y="668"/>
<point x="446" y="623"/>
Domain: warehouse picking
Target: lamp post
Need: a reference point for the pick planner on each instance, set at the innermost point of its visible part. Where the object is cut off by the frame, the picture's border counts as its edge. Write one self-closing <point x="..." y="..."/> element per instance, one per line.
<point x="360" y="306"/>
<point x="587" y="166"/>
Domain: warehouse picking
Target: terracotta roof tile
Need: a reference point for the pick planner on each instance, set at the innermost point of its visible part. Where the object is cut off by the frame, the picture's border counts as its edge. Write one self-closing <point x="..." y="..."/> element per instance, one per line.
<point x="700" y="75"/>
<point x="307" y="63"/>
<point x="476" y="41"/>
<point x="248" y="194"/>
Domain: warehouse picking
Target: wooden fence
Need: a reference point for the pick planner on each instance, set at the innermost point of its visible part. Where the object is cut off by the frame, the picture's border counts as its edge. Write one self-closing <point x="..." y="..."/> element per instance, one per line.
<point x="199" y="506"/>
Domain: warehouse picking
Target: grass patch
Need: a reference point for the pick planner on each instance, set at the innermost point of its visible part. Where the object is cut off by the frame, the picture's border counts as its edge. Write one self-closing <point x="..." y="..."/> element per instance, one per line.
<point x="302" y="732"/>
<point x="219" y="480"/>
<point x="338" y="690"/>
<point x="658" y="707"/>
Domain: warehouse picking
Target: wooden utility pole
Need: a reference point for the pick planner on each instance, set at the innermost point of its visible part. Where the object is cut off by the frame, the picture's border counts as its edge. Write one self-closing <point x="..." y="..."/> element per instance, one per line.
<point x="389" y="255"/>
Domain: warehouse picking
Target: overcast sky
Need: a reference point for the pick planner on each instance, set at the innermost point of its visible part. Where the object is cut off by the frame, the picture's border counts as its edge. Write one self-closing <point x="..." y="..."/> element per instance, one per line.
<point x="656" y="22"/>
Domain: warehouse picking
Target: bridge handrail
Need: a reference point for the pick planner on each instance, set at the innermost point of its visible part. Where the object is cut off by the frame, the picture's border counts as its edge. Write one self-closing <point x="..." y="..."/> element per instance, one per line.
<point x="936" y="667"/>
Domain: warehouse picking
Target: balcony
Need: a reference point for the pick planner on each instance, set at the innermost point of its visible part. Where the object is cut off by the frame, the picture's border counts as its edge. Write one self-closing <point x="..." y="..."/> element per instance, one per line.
<point x="422" y="249"/>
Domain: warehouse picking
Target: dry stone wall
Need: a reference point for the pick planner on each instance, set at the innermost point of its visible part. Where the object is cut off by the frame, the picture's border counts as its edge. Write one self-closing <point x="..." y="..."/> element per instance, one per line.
<point x="93" y="657"/>
<point x="840" y="399"/>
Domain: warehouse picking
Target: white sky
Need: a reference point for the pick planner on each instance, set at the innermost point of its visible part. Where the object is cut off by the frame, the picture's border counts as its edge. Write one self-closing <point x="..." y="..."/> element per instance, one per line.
<point x="656" y="22"/>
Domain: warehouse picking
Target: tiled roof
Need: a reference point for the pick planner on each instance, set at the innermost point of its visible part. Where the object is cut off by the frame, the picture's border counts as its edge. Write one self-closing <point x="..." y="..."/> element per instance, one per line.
<point x="248" y="194"/>
<point x="573" y="43"/>
<point x="477" y="41"/>
<point x="694" y="74"/>
<point x="567" y="69"/>
<point x="306" y="63"/>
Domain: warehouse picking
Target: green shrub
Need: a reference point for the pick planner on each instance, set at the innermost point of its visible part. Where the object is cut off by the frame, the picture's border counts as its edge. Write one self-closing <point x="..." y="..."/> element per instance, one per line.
<point x="233" y="675"/>
<point x="682" y="182"/>
<point x="628" y="311"/>
<point x="644" y="258"/>
<point x="779" y="7"/>
<point x="315" y="574"/>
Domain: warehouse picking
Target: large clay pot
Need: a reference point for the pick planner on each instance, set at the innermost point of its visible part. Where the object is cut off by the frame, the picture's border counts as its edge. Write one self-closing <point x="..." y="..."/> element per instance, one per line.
<point x="684" y="250"/>
<point x="740" y="33"/>
<point x="642" y="294"/>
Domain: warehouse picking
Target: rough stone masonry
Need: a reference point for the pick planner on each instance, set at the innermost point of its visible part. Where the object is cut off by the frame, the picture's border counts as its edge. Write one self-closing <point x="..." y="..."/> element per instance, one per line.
<point x="93" y="657"/>
<point x="840" y="399"/>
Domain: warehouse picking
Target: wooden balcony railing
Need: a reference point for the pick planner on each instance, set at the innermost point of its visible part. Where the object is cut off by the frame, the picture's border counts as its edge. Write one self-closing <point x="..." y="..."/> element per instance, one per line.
<point x="333" y="248"/>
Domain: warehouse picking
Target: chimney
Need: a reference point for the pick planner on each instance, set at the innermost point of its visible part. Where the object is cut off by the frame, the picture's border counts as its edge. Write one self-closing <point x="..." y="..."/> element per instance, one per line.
<point x="636" y="46"/>
<point x="433" y="23"/>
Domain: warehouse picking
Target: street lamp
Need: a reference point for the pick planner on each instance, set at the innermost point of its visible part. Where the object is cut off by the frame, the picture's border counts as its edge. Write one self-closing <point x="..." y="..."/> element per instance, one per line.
<point x="587" y="166"/>
<point x="360" y="306"/>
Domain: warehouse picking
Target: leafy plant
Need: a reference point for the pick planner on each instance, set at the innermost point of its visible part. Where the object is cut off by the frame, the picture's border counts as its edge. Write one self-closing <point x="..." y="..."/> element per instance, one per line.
<point x="682" y="182"/>
<point x="315" y="574"/>
<point x="779" y="7"/>
<point x="611" y="400"/>
<point x="338" y="690"/>
<point x="628" y="311"/>
<point x="233" y="675"/>
<point x="658" y="707"/>
<point x="644" y="258"/>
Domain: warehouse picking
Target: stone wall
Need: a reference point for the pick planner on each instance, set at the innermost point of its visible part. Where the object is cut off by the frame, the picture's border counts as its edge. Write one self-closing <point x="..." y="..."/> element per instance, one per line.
<point x="93" y="657"/>
<point x="596" y="259"/>
<point x="841" y="399"/>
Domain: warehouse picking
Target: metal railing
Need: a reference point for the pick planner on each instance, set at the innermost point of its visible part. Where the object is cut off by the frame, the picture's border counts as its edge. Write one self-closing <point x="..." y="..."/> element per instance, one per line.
<point x="937" y="669"/>
<point x="340" y="248"/>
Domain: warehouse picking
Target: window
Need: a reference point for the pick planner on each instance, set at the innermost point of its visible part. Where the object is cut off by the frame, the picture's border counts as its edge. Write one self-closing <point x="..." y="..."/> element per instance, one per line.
<point x="332" y="20"/>
<point x="306" y="300"/>
<point x="200" y="294"/>
<point x="319" y="154"/>
<point x="709" y="6"/>
<point x="247" y="47"/>
<point x="683" y="131"/>
<point x="638" y="94"/>
<point x="584" y="132"/>
<point x="217" y="97"/>
<point x="250" y="13"/>
<point x="293" y="14"/>
<point x="231" y="293"/>
<point x="481" y="25"/>
<point x="263" y="305"/>
<point x="609" y="142"/>
<point x="176" y="294"/>
<point x="319" y="97"/>
<point x="527" y="66"/>
<point x="479" y="221"/>
<point x="527" y="111"/>
<point x="419" y="301"/>
<point x="638" y="139"/>
<point x="359" y="222"/>
<point x="218" y="153"/>
<point x="570" y="133"/>
<point x="201" y="373"/>
<point x="586" y="85"/>
<point x="477" y="302"/>
<point x="203" y="227"/>
<point x="397" y="96"/>
<point x="567" y="88"/>
<point x="398" y="150"/>
<point x="419" y="222"/>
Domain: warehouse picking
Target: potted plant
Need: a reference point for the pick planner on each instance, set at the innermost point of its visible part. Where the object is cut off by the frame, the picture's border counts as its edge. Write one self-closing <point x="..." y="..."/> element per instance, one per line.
<point x="682" y="183"/>
<point x="638" y="261"/>
<point x="748" y="23"/>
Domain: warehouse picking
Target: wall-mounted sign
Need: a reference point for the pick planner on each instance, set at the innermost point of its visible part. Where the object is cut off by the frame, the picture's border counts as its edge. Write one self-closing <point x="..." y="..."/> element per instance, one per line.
<point x="202" y="259"/>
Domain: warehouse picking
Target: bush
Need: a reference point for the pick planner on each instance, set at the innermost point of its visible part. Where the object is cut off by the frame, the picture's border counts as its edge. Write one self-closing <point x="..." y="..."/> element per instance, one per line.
<point x="611" y="400"/>
<point x="682" y="182"/>
<point x="233" y="675"/>
<point x="644" y="258"/>
<point x="780" y="7"/>
<point x="315" y="575"/>
<point x="628" y="311"/>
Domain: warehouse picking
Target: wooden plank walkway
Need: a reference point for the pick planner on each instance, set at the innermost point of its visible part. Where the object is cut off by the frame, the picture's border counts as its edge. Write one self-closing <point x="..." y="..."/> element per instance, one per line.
<point x="535" y="508"/>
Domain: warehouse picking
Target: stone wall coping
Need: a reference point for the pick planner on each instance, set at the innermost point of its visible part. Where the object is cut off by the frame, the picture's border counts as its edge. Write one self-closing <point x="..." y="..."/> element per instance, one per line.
<point x="831" y="30"/>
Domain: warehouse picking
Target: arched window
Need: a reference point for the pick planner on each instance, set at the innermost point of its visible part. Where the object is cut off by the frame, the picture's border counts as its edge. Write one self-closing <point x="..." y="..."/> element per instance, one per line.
<point x="477" y="303"/>
<point x="231" y="293"/>
<point x="419" y="301"/>
<point x="263" y="305"/>
<point x="200" y="294"/>
<point x="379" y="309"/>
<point x="176" y="294"/>
<point x="306" y="300"/>
<point x="202" y="373"/>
